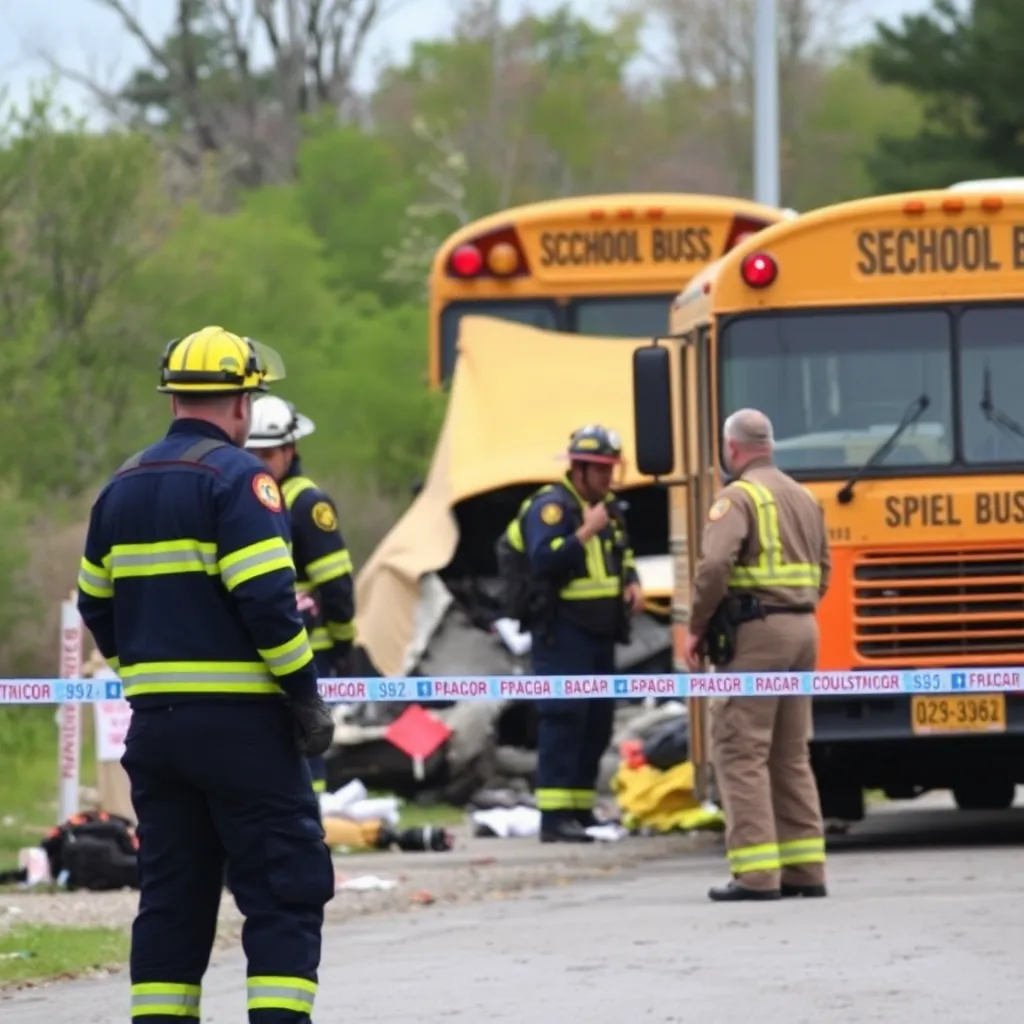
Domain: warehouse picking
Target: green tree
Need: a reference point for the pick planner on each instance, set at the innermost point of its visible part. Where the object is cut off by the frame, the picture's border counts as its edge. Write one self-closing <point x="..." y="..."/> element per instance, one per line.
<point x="964" y="64"/>
<point x="356" y="368"/>
<point x="353" y="192"/>
<point x="77" y="214"/>
<point x="838" y="139"/>
<point x="538" y="108"/>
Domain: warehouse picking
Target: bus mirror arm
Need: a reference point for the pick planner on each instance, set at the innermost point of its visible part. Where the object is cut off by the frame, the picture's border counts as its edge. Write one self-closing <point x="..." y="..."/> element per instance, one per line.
<point x="911" y="415"/>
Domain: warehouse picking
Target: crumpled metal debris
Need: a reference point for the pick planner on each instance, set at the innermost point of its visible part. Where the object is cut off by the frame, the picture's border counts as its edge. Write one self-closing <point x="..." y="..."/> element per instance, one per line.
<point x="493" y="743"/>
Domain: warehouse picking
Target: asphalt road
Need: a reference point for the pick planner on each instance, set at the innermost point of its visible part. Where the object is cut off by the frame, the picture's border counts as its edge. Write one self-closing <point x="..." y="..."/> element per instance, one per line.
<point x="923" y="924"/>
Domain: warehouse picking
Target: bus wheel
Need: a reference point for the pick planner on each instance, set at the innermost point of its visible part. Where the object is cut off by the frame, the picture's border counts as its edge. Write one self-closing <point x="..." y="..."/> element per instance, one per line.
<point x="987" y="795"/>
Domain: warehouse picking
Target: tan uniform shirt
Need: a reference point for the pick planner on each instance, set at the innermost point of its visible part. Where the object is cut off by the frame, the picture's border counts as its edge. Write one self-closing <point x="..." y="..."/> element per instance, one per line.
<point x="731" y="538"/>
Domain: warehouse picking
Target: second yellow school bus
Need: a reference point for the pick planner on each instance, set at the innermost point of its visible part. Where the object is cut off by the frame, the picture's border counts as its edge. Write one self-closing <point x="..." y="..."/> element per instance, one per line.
<point x="885" y="339"/>
<point x="603" y="265"/>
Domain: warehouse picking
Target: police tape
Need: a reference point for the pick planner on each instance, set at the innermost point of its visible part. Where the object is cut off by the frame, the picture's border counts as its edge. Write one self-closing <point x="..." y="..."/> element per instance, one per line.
<point x="454" y="688"/>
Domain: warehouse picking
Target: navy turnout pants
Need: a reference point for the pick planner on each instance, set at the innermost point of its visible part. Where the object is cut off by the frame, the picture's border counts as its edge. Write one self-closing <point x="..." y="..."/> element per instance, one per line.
<point x="572" y="735"/>
<point x="215" y="784"/>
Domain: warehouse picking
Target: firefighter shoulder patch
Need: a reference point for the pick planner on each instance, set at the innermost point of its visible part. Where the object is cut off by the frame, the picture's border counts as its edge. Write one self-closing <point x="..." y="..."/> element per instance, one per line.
<point x="266" y="491"/>
<point x="719" y="509"/>
<point x="324" y="517"/>
<point x="551" y="513"/>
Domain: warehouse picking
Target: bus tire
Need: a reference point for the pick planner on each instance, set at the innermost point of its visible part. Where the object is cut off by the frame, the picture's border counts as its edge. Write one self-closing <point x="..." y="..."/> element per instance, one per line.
<point x="985" y="794"/>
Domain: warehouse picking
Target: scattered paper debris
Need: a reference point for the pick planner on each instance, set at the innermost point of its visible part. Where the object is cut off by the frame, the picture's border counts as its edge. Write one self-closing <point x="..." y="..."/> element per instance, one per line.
<point x="507" y="822"/>
<point x="610" y="833"/>
<point x="352" y="803"/>
<point x="366" y="883"/>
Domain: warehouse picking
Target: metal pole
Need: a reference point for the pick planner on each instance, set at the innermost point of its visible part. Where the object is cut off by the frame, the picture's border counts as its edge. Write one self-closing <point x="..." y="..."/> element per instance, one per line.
<point x="766" y="103"/>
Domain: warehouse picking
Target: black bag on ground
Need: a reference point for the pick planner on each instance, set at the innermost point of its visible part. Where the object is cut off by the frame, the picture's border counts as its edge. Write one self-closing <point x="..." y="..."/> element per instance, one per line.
<point x="96" y="850"/>
<point x="668" y="744"/>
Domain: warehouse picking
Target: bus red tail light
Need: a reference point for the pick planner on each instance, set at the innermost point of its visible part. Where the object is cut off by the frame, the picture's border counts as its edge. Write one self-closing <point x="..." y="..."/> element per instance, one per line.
<point x="759" y="270"/>
<point x="497" y="254"/>
<point x="742" y="228"/>
<point x="467" y="261"/>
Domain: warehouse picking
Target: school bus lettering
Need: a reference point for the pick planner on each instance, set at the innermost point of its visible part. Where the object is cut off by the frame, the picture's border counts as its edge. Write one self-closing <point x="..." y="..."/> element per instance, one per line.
<point x="681" y="245"/>
<point x="917" y="510"/>
<point x="604" y="248"/>
<point x="908" y="251"/>
<point x="589" y="248"/>
<point x="999" y="507"/>
<point x="1018" y="246"/>
<point x="986" y="508"/>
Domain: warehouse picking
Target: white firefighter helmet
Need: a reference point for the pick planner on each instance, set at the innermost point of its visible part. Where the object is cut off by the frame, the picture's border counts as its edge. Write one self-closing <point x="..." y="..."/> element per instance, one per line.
<point x="275" y="422"/>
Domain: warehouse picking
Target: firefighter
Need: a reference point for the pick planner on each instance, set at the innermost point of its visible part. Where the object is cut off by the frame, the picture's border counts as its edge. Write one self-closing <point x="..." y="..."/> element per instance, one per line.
<point x="574" y="535"/>
<point x="764" y="567"/>
<point x="324" y="567"/>
<point x="188" y="588"/>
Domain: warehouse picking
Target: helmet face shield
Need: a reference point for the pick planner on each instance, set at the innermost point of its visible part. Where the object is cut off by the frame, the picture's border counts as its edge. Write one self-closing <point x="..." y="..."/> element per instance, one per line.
<point x="269" y="363"/>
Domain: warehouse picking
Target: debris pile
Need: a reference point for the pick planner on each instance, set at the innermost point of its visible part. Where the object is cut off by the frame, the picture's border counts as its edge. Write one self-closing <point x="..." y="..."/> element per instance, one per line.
<point x="489" y="756"/>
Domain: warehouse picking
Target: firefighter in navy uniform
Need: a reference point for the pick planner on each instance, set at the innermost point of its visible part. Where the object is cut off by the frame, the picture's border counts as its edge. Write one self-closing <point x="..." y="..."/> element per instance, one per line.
<point x="574" y="535"/>
<point x="326" y="594"/>
<point x="188" y="588"/>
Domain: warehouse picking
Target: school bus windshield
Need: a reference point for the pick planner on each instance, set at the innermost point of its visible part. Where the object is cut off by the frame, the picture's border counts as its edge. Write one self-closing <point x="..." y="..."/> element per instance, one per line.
<point x="837" y="383"/>
<point x="641" y="316"/>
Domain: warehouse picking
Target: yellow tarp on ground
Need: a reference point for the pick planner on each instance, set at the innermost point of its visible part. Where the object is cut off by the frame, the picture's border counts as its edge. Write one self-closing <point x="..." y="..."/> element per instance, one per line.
<point x="516" y="395"/>
<point x="662" y="801"/>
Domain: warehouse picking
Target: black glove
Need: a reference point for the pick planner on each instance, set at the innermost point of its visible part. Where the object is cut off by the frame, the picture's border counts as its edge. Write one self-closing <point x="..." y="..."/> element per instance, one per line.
<point x="341" y="660"/>
<point x="314" y="726"/>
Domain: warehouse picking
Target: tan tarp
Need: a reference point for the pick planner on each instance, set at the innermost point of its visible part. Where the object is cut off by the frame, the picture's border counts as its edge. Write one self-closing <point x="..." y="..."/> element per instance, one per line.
<point x="516" y="395"/>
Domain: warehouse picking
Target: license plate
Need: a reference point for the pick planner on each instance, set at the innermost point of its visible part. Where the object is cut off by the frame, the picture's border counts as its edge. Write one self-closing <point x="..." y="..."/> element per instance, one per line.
<point x="983" y="712"/>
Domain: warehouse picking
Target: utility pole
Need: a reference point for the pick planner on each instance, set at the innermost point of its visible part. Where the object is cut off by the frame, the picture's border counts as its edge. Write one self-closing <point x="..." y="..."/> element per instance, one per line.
<point x="766" y="103"/>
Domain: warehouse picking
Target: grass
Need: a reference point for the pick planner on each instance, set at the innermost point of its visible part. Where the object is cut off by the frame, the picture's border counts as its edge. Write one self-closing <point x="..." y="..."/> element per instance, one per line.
<point x="440" y="815"/>
<point x="34" y="952"/>
<point x="28" y="775"/>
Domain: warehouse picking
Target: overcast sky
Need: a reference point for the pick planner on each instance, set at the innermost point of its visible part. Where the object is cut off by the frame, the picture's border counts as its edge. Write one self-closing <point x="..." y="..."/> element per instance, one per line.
<point x="81" y="34"/>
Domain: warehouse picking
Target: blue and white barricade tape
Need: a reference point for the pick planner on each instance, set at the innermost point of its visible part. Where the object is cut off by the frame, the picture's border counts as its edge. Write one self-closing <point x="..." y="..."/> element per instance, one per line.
<point x="415" y="690"/>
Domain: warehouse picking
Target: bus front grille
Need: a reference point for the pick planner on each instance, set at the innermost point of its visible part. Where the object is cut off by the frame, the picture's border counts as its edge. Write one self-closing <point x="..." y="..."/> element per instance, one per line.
<point x="957" y="605"/>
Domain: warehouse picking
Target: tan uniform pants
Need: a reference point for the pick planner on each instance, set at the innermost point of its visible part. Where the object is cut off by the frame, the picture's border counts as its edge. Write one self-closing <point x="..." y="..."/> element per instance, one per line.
<point x="759" y="749"/>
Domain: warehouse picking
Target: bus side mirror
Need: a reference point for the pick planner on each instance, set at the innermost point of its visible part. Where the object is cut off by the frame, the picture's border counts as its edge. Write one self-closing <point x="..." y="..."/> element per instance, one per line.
<point x="652" y="411"/>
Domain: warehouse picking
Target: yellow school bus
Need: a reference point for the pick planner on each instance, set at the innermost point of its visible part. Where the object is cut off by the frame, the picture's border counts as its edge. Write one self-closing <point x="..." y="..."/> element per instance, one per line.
<point x="885" y="339"/>
<point x="605" y="265"/>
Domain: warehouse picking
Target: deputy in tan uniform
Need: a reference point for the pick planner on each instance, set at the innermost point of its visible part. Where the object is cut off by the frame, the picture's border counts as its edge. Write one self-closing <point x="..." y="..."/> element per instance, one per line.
<point x="765" y="566"/>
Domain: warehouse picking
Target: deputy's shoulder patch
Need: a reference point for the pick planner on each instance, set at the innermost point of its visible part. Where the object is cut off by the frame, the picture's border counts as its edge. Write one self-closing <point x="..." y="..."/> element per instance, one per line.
<point x="266" y="491"/>
<point x="551" y="513"/>
<point x="719" y="509"/>
<point x="324" y="517"/>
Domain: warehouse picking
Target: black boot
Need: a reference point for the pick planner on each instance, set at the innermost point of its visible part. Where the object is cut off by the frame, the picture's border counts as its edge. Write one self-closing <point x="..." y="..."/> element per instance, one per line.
<point x="733" y="892"/>
<point x="587" y="819"/>
<point x="563" y="830"/>
<point x="790" y="891"/>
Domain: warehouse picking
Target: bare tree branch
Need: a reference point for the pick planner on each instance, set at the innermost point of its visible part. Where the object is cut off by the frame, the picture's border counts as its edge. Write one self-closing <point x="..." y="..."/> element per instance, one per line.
<point x="315" y="46"/>
<point x="134" y="27"/>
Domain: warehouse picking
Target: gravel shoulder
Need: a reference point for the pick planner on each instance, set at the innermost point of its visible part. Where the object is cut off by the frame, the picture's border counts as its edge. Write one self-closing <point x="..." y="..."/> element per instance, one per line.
<point x="476" y="869"/>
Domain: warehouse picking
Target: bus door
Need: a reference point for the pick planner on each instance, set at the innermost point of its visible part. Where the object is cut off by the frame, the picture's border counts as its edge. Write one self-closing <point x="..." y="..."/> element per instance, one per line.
<point x="673" y="404"/>
<point x="698" y="445"/>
